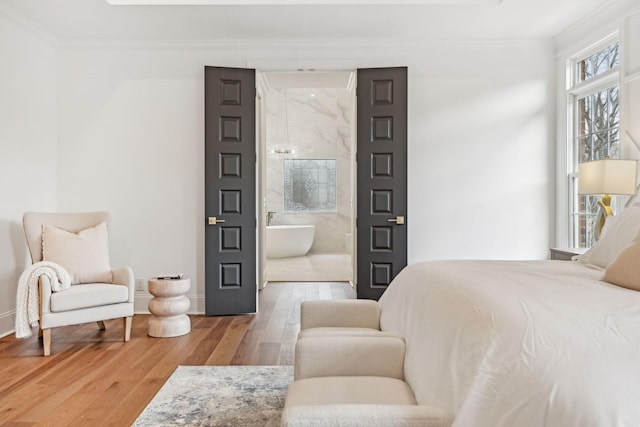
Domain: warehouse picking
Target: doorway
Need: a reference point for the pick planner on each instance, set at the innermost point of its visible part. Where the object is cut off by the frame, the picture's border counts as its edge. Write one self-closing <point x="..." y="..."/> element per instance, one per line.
<point x="307" y="152"/>
<point x="236" y="203"/>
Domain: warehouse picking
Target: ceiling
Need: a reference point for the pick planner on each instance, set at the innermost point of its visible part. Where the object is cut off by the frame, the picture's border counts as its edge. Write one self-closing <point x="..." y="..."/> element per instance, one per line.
<point x="311" y="20"/>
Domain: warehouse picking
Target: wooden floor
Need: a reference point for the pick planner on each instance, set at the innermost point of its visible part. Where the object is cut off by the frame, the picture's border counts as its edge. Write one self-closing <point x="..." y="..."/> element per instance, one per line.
<point x="92" y="378"/>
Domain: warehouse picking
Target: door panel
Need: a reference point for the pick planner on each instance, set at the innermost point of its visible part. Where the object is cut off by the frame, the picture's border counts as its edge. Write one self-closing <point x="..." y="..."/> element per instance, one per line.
<point x="230" y="219"/>
<point x="382" y="178"/>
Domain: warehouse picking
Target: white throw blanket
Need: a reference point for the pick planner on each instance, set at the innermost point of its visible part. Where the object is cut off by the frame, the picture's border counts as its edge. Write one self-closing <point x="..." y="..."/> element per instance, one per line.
<point x="27" y="297"/>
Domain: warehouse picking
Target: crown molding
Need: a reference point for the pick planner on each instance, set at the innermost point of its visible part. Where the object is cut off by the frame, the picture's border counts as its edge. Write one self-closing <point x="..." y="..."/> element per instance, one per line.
<point x="278" y="44"/>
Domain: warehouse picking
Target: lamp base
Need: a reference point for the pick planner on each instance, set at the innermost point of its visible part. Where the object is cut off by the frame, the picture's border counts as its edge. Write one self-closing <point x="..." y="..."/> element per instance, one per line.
<point x="604" y="212"/>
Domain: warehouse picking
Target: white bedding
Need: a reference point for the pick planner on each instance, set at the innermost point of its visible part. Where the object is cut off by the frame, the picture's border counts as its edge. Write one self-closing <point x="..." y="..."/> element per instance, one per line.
<point x="517" y="344"/>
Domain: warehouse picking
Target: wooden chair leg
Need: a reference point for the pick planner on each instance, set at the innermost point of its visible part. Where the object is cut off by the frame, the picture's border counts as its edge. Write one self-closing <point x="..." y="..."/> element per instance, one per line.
<point x="46" y="341"/>
<point x="101" y="325"/>
<point x="39" y="332"/>
<point x="127" y="321"/>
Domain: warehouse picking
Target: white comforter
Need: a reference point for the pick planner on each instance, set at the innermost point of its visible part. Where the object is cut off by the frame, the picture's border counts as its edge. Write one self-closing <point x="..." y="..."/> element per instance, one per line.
<point x="517" y="344"/>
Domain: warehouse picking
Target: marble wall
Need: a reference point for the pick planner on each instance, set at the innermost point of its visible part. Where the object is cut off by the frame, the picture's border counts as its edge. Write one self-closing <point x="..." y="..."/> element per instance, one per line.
<point x="311" y="124"/>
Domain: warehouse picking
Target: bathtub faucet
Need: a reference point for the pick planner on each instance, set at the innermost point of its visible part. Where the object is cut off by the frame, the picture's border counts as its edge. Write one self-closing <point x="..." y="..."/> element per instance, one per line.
<point x="270" y="217"/>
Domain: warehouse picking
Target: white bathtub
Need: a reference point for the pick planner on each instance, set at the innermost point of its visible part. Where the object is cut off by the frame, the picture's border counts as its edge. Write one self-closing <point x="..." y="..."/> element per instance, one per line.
<point x="284" y="241"/>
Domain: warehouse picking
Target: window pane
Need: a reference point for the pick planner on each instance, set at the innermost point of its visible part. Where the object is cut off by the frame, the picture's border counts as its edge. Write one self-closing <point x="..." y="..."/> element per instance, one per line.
<point x="598" y="124"/>
<point x="585" y="217"/>
<point x="597" y="137"/>
<point x="599" y="63"/>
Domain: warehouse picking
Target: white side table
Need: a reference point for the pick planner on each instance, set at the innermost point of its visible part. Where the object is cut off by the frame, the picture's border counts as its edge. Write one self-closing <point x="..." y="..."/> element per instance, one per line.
<point x="168" y="308"/>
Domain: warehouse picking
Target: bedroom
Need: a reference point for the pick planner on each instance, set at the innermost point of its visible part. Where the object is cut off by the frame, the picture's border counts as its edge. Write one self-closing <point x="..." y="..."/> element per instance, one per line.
<point x="125" y="115"/>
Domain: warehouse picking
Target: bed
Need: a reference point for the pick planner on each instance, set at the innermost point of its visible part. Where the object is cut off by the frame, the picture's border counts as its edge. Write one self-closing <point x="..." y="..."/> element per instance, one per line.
<point x="525" y="343"/>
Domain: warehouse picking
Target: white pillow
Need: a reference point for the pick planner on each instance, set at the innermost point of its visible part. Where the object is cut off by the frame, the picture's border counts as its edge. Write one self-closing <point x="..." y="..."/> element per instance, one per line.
<point x="85" y="254"/>
<point x="617" y="234"/>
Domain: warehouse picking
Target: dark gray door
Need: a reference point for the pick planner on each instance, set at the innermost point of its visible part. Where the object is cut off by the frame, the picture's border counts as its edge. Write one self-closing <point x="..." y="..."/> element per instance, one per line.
<point x="382" y="178"/>
<point x="230" y="199"/>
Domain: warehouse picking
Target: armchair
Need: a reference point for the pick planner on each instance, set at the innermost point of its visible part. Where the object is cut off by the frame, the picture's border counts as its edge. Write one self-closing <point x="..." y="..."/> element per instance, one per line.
<point x="82" y="302"/>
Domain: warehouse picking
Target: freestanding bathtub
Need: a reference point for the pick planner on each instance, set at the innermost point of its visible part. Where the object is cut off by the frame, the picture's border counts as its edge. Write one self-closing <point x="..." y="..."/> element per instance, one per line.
<point x="284" y="241"/>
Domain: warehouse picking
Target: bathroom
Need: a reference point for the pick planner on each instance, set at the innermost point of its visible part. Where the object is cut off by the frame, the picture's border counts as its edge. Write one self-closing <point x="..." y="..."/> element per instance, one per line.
<point x="308" y="133"/>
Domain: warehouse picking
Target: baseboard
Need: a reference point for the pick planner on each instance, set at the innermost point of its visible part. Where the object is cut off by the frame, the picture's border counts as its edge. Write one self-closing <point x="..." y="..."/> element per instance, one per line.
<point x="141" y="303"/>
<point x="7" y="323"/>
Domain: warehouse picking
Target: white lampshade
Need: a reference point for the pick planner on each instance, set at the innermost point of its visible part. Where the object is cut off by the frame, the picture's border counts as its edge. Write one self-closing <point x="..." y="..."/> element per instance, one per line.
<point x="608" y="176"/>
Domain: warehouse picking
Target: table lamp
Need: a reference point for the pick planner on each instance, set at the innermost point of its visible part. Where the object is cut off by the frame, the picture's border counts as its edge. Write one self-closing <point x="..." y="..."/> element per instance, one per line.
<point x="607" y="177"/>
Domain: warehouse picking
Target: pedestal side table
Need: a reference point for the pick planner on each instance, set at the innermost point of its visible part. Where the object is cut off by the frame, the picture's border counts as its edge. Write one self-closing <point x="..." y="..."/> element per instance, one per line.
<point x="168" y="308"/>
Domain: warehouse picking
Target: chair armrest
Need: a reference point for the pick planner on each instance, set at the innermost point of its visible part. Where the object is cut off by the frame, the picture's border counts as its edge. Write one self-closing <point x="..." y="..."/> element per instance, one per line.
<point x="381" y="356"/>
<point x="365" y="415"/>
<point x="124" y="276"/>
<point x="341" y="313"/>
<point x="45" y="294"/>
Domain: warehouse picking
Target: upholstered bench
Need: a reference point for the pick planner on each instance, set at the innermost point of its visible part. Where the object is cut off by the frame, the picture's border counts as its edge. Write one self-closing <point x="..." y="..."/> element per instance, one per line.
<point x="347" y="372"/>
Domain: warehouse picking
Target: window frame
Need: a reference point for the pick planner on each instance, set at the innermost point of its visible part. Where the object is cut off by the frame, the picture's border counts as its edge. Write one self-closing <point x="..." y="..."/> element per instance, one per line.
<point x="576" y="90"/>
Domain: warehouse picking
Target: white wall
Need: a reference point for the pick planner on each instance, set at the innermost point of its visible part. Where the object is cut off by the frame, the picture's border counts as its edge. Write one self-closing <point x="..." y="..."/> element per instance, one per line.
<point x="132" y="142"/>
<point x="480" y="126"/>
<point x="28" y="151"/>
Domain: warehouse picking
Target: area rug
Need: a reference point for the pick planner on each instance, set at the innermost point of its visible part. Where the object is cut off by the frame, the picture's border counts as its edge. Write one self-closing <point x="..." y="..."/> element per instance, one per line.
<point x="219" y="396"/>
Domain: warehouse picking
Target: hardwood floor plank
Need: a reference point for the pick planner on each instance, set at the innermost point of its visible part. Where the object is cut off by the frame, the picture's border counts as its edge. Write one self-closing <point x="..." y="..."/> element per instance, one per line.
<point x="268" y="353"/>
<point x="128" y="409"/>
<point x="248" y="348"/>
<point x="93" y="378"/>
<point x="223" y="353"/>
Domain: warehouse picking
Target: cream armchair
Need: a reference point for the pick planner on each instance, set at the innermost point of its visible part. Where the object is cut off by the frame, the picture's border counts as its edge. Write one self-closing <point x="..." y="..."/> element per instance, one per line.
<point x="82" y="302"/>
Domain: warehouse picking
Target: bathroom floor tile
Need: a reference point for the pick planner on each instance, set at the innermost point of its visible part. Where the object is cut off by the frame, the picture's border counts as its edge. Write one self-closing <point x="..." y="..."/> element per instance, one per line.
<point x="310" y="268"/>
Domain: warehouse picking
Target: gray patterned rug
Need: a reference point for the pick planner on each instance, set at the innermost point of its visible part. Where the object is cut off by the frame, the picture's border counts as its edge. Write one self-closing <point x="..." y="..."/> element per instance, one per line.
<point x="219" y="396"/>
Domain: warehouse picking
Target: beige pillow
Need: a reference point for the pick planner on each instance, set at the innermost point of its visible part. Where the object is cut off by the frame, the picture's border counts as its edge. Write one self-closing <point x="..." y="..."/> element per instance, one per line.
<point x="85" y="254"/>
<point x="624" y="270"/>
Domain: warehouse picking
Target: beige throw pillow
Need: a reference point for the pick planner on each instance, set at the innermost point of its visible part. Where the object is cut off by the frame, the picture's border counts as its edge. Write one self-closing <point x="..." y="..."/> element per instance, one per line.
<point x="624" y="270"/>
<point x="85" y="254"/>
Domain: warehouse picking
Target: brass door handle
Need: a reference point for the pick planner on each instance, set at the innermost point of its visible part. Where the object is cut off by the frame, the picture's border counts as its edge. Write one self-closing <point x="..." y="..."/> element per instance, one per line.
<point x="398" y="220"/>
<point x="213" y="220"/>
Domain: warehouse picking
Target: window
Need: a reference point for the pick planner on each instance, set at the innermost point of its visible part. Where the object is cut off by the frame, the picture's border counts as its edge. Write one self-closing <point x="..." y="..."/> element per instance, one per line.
<point x="594" y="123"/>
<point x="310" y="185"/>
